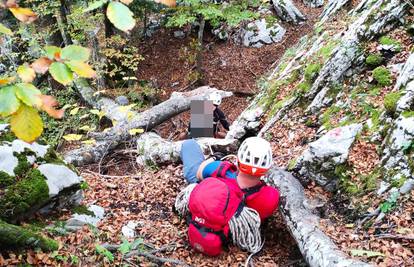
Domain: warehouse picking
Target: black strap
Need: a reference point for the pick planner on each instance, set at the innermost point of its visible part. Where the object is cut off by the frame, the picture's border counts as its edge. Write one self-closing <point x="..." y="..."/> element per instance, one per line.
<point x="201" y="228"/>
<point x="251" y="190"/>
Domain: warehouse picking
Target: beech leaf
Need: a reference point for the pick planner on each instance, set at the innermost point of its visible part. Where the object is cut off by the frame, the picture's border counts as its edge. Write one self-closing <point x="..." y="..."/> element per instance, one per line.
<point x="48" y="105"/>
<point x="82" y="69"/>
<point x="5" y="30"/>
<point x="25" y="15"/>
<point x="75" y="52"/>
<point x="72" y="137"/>
<point x="95" y="5"/>
<point x="53" y="52"/>
<point x="61" y="73"/>
<point x="26" y="123"/>
<point x="28" y="94"/>
<point x="120" y="16"/>
<point x="41" y="65"/>
<point x="26" y="73"/>
<point x="9" y="102"/>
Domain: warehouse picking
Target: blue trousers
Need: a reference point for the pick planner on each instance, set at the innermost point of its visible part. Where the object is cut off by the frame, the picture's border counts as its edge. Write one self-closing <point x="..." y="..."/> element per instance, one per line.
<point x="191" y="156"/>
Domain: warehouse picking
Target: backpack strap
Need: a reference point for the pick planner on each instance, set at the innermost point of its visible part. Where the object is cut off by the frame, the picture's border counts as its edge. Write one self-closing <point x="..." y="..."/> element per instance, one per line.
<point x="223" y="238"/>
<point x="224" y="166"/>
<point x="252" y="190"/>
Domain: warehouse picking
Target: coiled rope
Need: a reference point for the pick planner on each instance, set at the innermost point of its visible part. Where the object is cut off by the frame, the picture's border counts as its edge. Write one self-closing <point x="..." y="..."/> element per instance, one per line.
<point x="245" y="230"/>
<point x="182" y="200"/>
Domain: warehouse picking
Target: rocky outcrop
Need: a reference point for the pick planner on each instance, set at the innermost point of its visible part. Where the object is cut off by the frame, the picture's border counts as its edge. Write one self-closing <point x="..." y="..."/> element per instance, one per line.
<point x="259" y="33"/>
<point x="287" y="11"/>
<point x="33" y="178"/>
<point x="318" y="162"/>
<point x="314" y="3"/>
<point x="331" y="8"/>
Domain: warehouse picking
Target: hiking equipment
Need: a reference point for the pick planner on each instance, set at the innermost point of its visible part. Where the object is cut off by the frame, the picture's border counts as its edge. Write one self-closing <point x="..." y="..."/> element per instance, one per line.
<point x="216" y="98"/>
<point x="254" y="156"/>
<point x="215" y="207"/>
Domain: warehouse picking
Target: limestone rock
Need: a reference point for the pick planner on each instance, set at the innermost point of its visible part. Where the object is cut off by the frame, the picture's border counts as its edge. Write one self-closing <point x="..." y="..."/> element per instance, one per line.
<point x="258" y="33"/>
<point x="318" y="162"/>
<point x="287" y="11"/>
<point x="7" y="160"/>
<point x="79" y="220"/>
<point x="314" y="3"/>
<point x="122" y="100"/>
<point x="59" y="178"/>
<point x="330" y="9"/>
<point x="128" y="230"/>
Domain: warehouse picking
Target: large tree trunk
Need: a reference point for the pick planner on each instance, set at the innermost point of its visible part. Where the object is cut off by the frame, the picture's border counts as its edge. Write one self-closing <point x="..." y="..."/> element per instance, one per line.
<point x="178" y="102"/>
<point x="12" y="236"/>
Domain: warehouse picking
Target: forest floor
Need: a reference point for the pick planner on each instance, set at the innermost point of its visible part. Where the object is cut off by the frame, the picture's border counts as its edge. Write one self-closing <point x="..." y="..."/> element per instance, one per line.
<point x="129" y="193"/>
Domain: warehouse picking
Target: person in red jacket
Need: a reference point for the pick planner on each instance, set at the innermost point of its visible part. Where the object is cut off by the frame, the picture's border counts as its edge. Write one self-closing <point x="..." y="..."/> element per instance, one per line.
<point x="254" y="159"/>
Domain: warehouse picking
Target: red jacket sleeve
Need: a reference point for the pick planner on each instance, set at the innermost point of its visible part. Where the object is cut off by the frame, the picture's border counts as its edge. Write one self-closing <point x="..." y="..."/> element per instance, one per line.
<point x="265" y="202"/>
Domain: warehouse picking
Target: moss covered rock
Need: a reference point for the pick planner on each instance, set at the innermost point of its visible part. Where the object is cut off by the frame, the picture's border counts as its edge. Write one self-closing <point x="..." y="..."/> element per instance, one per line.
<point x="382" y="76"/>
<point x="374" y="60"/>
<point x="390" y="101"/>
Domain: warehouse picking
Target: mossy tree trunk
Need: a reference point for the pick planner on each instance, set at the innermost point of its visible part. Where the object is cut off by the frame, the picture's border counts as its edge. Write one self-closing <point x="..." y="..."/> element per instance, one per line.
<point x="12" y="236"/>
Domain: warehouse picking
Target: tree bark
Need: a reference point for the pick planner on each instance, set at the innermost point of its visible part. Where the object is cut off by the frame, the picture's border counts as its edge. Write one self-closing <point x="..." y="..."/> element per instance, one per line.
<point x="316" y="247"/>
<point x="63" y="22"/>
<point x="200" y="48"/>
<point x="178" y="102"/>
<point x="12" y="236"/>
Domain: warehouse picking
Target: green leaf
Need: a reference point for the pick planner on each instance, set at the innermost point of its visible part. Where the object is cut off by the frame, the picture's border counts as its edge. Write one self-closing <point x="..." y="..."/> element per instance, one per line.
<point x="125" y="247"/>
<point x="5" y="30"/>
<point x="8" y="100"/>
<point x="53" y="52"/>
<point x="28" y="94"/>
<point x="26" y="123"/>
<point x="61" y="73"/>
<point x="120" y="16"/>
<point x="104" y="252"/>
<point x="95" y="5"/>
<point x="138" y="242"/>
<point x="367" y="253"/>
<point x="75" y="52"/>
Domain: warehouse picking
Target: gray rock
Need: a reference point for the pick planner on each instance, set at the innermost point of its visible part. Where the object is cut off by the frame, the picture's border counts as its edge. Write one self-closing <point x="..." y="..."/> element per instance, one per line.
<point x="314" y="3"/>
<point x="179" y="34"/>
<point x="59" y="177"/>
<point x="78" y="220"/>
<point x="3" y="127"/>
<point x="287" y="11"/>
<point x="257" y="33"/>
<point x="319" y="161"/>
<point x="221" y="33"/>
<point x="7" y="160"/>
<point x="19" y="146"/>
<point x="129" y="230"/>
<point x="122" y="100"/>
<point x="407" y="186"/>
<point x="330" y="9"/>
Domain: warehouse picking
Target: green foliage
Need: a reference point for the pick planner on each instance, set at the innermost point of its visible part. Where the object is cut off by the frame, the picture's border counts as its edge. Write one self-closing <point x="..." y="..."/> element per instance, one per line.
<point x="191" y="10"/>
<point x="5" y="179"/>
<point x="291" y="164"/>
<point x="120" y="16"/>
<point x="23" y="165"/>
<point x="382" y="76"/>
<point x="29" y="191"/>
<point x="390" y="203"/>
<point x="327" y="116"/>
<point x="312" y="71"/>
<point x="345" y="182"/>
<point x="407" y="114"/>
<point x="326" y="51"/>
<point x="304" y="87"/>
<point x="390" y="101"/>
<point x="385" y="40"/>
<point x="374" y="60"/>
<point x="82" y="209"/>
<point x="104" y="252"/>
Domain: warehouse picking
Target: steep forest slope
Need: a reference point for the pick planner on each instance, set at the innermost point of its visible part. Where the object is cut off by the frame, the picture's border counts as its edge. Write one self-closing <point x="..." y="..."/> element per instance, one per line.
<point x="334" y="96"/>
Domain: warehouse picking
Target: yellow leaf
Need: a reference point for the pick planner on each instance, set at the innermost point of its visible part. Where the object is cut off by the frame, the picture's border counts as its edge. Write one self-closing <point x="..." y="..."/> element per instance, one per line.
<point x="5" y="30"/>
<point x="26" y="123"/>
<point x="74" y="111"/>
<point x="86" y="128"/>
<point x="82" y="69"/>
<point x="135" y="131"/>
<point x="26" y="73"/>
<point x="89" y="142"/>
<point x="99" y="113"/>
<point x="25" y="15"/>
<point x="127" y="2"/>
<point x="72" y="137"/>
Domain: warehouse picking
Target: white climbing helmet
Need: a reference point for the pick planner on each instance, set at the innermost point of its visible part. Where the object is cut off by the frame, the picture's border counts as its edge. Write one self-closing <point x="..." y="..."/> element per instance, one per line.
<point x="254" y="156"/>
<point x="215" y="97"/>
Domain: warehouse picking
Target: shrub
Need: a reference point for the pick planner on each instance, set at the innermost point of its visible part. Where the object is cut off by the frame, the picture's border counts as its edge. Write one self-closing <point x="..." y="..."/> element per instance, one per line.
<point x="374" y="60"/>
<point x="390" y="101"/>
<point x="382" y="76"/>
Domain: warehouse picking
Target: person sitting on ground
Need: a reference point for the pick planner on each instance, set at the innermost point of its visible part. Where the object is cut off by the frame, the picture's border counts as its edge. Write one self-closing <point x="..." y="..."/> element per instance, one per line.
<point x="254" y="159"/>
<point x="223" y="197"/>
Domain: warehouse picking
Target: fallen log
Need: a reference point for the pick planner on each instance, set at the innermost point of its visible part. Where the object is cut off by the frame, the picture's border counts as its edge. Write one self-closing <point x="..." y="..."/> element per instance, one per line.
<point x="106" y="141"/>
<point x="316" y="247"/>
<point x="12" y="236"/>
<point x="152" y="149"/>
